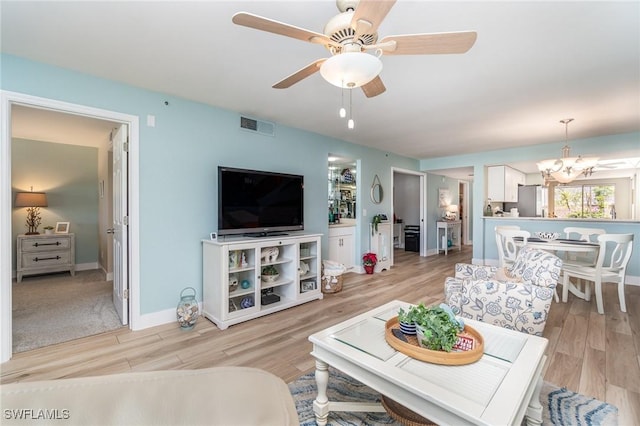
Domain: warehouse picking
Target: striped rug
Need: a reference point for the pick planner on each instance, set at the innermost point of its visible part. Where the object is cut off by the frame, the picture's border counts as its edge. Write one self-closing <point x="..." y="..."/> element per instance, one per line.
<point x="560" y="406"/>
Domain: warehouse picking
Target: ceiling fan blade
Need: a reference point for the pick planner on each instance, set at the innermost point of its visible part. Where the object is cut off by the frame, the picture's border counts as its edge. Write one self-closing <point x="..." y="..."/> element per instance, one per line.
<point x="369" y="14"/>
<point x="299" y="75"/>
<point x="264" y="24"/>
<point x="429" y="44"/>
<point x="374" y="88"/>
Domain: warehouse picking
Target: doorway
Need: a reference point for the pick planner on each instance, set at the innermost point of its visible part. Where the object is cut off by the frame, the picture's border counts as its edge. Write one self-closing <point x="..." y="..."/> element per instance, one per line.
<point x="408" y="202"/>
<point x="464" y="207"/>
<point x="129" y="256"/>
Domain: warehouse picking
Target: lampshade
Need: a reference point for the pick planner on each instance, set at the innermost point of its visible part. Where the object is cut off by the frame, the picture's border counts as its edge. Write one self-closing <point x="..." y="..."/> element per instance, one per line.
<point x="31" y="199"/>
<point x="351" y="69"/>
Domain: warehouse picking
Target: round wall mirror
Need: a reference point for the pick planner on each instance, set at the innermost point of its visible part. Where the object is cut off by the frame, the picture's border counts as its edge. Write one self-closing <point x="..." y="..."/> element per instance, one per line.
<point x="376" y="191"/>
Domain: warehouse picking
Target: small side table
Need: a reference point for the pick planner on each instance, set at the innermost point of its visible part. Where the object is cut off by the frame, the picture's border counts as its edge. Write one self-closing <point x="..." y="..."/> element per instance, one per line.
<point x="448" y="226"/>
<point x="44" y="253"/>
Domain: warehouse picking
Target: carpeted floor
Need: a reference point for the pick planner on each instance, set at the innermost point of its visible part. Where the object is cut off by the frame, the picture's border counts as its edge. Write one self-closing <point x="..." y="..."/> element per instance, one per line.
<point x="56" y="308"/>
<point x="560" y="406"/>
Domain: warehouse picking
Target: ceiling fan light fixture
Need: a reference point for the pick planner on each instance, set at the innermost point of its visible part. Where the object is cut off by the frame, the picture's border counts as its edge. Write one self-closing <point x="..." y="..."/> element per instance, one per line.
<point x="351" y="69"/>
<point x="342" y="112"/>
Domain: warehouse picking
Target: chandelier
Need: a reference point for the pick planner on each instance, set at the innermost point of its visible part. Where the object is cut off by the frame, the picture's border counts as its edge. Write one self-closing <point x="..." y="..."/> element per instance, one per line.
<point x="567" y="168"/>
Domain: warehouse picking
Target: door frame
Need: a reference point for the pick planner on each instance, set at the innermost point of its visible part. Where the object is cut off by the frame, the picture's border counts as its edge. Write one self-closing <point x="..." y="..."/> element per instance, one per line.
<point x="465" y="211"/>
<point x="422" y="203"/>
<point x="7" y="100"/>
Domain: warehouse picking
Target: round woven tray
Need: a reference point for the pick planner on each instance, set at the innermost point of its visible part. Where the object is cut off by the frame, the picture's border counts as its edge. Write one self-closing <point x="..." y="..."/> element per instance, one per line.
<point x="402" y="414"/>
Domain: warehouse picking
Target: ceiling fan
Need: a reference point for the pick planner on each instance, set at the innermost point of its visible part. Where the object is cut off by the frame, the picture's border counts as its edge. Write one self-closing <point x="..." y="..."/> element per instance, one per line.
<point x="351" y="38"/>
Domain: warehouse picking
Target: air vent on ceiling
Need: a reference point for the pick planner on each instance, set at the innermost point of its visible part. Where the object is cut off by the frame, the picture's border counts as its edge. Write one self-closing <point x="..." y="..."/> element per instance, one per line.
<point x="257" y="126"/>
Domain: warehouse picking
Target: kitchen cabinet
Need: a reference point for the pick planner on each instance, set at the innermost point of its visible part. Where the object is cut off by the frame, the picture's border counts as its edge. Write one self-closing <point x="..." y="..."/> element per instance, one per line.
<point x="381" y="244"/>
<point x="502" y="183"/>
<point x="342" y="245"/>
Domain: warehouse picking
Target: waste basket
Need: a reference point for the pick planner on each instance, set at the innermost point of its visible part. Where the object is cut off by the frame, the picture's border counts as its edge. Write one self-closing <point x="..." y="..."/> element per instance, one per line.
<point x="332" y="276"/>
<point x="412" y="238"/>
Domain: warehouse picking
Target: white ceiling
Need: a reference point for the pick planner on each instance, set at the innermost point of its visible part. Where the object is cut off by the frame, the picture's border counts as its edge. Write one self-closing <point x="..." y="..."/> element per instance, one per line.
<point x="533" y="64"/>
<point x="52" y="126"/>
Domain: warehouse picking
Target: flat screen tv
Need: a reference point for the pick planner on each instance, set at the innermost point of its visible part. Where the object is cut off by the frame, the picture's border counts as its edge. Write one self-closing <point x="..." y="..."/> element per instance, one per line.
<point x="259" y="203"/>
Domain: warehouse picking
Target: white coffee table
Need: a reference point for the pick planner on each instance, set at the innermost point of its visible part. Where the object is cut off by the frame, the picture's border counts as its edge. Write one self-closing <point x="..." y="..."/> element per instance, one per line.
<point x="499" y="389"/>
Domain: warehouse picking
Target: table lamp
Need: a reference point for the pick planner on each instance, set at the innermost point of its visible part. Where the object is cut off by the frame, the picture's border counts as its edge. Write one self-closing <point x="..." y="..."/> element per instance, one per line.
<point x="33" y="201"/>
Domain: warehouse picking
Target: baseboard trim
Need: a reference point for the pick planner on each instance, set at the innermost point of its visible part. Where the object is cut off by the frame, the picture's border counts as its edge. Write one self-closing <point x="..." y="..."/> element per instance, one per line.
<point x="163" y="317"/>
<point x="86" y="266"/>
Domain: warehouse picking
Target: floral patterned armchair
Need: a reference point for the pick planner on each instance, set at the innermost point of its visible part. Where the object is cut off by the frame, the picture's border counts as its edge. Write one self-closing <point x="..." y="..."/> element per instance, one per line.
<point x="517" y="297"/>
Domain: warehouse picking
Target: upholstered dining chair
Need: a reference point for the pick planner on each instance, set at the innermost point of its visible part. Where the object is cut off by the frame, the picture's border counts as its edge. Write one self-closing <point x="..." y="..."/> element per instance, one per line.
<point x="517" y="297"/>
<point x="610" y="267"/>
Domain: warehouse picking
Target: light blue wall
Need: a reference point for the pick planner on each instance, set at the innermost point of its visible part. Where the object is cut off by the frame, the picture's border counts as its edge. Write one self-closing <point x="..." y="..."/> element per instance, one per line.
<point x="178" y="165"/>
<point x="627" y="145"/>
<point x="69" y="176"/>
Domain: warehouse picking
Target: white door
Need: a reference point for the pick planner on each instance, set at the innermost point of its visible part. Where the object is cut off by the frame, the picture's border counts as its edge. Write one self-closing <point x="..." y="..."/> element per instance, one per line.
<point x="120" y="229"/>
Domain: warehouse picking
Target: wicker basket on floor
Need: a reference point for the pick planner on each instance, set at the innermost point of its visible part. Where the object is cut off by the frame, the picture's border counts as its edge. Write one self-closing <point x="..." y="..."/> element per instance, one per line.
<point x="331" y="283"/>
<point x="402" y="414"/>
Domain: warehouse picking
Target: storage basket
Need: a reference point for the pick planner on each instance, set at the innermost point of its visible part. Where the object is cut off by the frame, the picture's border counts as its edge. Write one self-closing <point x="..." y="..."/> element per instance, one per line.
<point x="331" y="283"/>
<point x="332" y="276"/>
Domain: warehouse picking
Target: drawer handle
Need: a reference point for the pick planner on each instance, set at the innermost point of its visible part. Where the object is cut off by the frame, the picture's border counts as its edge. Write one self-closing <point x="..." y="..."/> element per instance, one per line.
<point x="57" y="243"/>
<point x="46" y="258"/>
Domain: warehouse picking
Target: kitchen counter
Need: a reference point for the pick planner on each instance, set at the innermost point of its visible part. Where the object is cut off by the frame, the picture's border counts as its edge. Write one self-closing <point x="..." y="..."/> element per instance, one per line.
<point x="559" y="219"/>
<point x="343" y="223"/>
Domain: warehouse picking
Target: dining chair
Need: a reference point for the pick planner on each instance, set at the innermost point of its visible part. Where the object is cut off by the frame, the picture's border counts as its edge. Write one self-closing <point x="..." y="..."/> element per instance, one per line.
<point x="610" y="267"/>
<point x="506" y="256"/>
<point x="581" y="259"/>
<point x="584" y="234"/>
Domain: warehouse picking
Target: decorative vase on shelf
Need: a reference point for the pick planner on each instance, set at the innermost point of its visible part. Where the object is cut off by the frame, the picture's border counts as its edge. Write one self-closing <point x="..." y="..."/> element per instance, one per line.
<point x="187" y="311"/>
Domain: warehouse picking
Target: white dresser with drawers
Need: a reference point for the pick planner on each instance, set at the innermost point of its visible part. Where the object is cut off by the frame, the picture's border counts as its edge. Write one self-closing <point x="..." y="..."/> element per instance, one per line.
<point x="41" y="254"/>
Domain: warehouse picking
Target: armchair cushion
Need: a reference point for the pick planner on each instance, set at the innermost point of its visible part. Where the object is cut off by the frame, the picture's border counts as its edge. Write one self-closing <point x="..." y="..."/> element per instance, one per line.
<point x="520" y="303"/>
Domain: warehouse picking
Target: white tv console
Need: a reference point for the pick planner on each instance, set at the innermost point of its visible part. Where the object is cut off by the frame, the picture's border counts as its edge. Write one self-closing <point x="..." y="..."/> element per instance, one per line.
<point x="233" y="285"/>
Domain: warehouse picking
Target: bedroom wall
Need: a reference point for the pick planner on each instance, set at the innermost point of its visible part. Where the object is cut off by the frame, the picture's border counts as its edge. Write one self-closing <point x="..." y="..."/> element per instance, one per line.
<point x="69" y="176"/>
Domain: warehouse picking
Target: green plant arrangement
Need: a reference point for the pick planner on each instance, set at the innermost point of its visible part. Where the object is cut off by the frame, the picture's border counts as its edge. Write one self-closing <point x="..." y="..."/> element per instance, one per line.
<point x="49" y="227"/>
<point x="270" y="273"/>
<point x="412" y="314"/>
<point x="269" y="270"/>
<point x="437" y="326"/>
<point x="375" y="220"/>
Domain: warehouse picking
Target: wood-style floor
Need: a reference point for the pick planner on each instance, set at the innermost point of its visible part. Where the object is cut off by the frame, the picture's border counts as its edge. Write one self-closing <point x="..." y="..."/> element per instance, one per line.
<point x="596" y="355"/>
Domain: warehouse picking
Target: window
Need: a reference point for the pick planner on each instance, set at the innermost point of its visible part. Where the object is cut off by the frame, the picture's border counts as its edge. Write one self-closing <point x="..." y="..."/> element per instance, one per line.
<point x="591" y="201"/>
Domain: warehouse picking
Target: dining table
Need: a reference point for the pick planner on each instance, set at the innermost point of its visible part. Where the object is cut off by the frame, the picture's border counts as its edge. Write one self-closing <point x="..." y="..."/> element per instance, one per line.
<point x="565" y="245"/>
